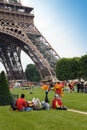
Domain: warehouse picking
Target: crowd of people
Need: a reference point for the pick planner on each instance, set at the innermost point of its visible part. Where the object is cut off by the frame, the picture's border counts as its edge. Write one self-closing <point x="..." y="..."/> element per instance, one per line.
<point x="21" y="104"/>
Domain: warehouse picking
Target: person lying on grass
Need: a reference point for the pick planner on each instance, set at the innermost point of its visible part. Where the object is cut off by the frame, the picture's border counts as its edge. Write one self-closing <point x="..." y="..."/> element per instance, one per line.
<point x="36" y="104"/>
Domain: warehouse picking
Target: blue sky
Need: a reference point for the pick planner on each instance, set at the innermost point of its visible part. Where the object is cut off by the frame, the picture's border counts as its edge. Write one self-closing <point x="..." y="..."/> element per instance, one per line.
<point x="63" y="23"/>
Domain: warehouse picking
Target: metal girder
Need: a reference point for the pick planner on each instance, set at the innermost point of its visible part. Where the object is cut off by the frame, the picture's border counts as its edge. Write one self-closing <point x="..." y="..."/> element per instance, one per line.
<point x="18" y="32"/>
<point x="10" y="58"/>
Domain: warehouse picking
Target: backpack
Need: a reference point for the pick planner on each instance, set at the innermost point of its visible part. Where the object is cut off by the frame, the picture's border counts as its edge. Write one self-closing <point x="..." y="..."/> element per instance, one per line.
<point x="13" y="105"/>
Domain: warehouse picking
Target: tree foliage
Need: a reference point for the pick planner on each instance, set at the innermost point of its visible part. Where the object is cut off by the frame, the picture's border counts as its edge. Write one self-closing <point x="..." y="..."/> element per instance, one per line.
<point x="32" y="73"/>
<point x="5" y="95"/>
<point x="83" y="62"/>
<point x="62" y="69"/>
<point x="68" y="68"/>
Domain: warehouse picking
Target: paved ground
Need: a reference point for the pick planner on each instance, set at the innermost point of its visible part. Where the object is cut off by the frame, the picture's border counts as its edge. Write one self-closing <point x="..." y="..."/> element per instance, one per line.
<point x="81" y="112"/>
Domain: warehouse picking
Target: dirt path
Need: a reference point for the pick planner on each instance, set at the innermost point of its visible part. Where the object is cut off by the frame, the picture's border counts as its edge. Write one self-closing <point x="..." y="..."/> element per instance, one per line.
<point x="81" y="112"/>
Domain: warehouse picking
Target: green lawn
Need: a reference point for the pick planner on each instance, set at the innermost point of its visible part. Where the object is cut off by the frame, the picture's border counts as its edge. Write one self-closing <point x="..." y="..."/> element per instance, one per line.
<point x="46" y="119"/>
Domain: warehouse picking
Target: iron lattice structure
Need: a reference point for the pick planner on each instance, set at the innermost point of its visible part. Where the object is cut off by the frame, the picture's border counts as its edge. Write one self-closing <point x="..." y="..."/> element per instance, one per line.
<point x="18" y="32"/>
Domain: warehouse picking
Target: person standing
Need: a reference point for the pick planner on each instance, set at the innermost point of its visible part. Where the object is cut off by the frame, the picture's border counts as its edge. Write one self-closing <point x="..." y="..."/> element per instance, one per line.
<point x="45" y="87"/>
<point x="58" y="89"/>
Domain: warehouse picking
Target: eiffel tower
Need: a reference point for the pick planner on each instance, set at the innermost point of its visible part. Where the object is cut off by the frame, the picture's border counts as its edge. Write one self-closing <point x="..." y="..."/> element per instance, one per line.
<point x="18" y="33"/>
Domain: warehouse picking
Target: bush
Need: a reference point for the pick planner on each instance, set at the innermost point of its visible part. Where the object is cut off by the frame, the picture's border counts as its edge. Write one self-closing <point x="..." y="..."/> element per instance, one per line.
<point x="5" y="95"/>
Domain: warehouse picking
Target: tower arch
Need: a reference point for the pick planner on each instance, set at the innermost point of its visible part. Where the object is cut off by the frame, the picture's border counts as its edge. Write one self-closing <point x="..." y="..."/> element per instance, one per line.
<point x="18" y="32"/>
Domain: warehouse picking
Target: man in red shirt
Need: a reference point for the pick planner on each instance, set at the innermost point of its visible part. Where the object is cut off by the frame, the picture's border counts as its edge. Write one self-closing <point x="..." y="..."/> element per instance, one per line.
<point x="21" y="104"/>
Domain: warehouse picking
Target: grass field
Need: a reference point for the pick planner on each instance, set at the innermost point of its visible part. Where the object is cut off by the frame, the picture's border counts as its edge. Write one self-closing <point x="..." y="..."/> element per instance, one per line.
<point x="46" y="119"/>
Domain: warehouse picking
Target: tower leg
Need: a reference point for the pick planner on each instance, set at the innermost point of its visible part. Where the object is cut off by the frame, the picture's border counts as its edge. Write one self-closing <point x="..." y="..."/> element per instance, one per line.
<point x="10" y="57"/>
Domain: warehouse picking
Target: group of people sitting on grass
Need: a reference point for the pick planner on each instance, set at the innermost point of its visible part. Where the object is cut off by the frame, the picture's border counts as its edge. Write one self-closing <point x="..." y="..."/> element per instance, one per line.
<point x="22" y="105"/>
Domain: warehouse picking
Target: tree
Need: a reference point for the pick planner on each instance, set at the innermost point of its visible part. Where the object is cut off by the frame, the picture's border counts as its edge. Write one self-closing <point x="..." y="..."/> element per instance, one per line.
<point x="5" y="95"/>
<point x="68" y="68"/>
<point x="32" y="73"/>
<point x="74" y="69"/>
<point x="62" y="69"/>
<point x="83" y="62"/>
